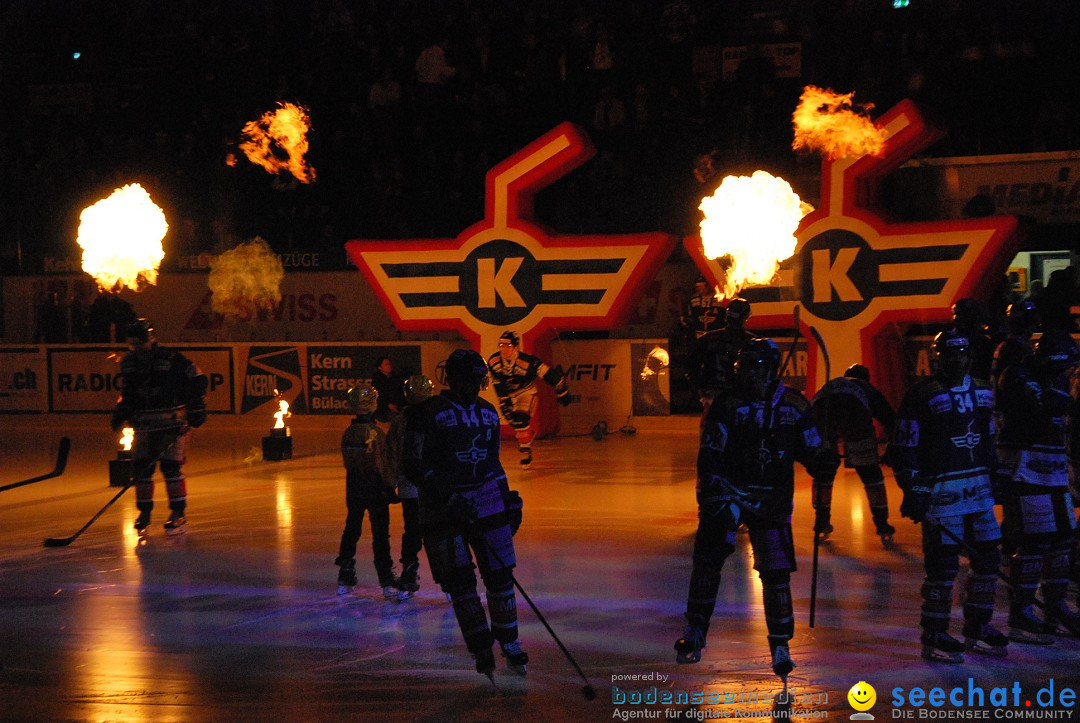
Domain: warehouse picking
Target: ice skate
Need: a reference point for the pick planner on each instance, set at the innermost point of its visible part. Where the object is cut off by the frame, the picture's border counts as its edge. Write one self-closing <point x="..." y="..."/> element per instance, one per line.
<point x="782" y="663"/>
<point x="176" y="524"/>
<point x="516" y="658"/>
<point x="688" y="647"/>
<point x="1063" y="619"/>
<point x="408" y="584"/>
<point x="388" y="583"/>
<point x="346" y="575"/>
<point x="885" y="531"/>
<point x="485" y="663"/>
<point x="985" y="639"/>
<point x="941" y="647"/>
<point x="142" y="523"/>
<point x="1026" y="627"/>
<point x="526" y="456"/>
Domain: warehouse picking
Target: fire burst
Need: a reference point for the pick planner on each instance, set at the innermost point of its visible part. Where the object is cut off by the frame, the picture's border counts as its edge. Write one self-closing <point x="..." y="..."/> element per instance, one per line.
<point x="278" y="141"/>
<point x="831" y="124"/>
<point x="121" y="239"/>
<point x="281" y="413"/>
<point x="750" y="224"/>
<point x="248" y="275"/>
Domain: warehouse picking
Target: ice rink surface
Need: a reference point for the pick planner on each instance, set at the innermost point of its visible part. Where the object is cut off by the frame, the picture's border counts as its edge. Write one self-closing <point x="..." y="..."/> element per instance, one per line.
<point x="239" y="618"/>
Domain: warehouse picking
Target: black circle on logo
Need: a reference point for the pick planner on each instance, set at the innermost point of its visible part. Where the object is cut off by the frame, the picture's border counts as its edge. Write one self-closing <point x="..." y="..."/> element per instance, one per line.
<point x="485" y="280"/>
<point x="862" y="274"/>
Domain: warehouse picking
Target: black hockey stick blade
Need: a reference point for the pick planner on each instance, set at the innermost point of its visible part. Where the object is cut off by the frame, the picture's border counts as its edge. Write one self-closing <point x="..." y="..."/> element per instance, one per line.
<point x="824" y="351"/>
<point x="61" y="465"/>
<point x="65" y="541"/>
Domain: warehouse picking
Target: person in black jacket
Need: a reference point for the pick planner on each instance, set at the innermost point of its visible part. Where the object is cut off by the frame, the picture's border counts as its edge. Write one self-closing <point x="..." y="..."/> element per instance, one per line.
<point x="163" y="395"/>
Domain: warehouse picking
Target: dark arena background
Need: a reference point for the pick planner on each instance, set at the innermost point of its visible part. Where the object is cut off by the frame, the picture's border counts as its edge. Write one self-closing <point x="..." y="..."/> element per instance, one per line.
<point x="458" y="169"/>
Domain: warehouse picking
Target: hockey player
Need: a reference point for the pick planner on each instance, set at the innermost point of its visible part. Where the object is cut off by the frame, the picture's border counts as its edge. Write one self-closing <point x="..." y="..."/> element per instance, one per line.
<point x="368" y="488"/>
<point x="467" y="510"/>
<point x="712" y="360"/>
<point x="163" y="395"/>
<point x="749" y="444"/>
<point x="941" y="451"/>
<point x="1034" y="401"/>
<point x="703" y="313"/>
<point x="845" y="409"/>
<point x="417" y="389"/>
<point x="1023" y="321"/>
<point x="515" y="374"/>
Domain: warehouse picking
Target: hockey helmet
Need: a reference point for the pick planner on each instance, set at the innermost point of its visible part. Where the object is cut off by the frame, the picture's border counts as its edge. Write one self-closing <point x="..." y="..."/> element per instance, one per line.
<point x="417" y="388"/>
<point x="858" y="371"/>
<point x="363" y="399"/>
<point x="756" y="354"/>
<point x="951" y="342"/>
<point x="1022" y="314"/>
<point x="465" y="366"/>
<point x="1057" y="352"/>
<point x="139" y="329"/>
<point x="738" y="309"/>
<point x="952" y="355"/>
<point x="968" y="313"/>
<point x="509" y="338"/>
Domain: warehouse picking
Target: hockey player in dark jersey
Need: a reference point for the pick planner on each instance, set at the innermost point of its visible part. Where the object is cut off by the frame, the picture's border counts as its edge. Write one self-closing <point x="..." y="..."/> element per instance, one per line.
<point x="369" y="487"/>
<point x="845" y="409"/>
<point x="749" y="444"/>
<point x="1023" y="321"/>
<point x="467" y="510"/>
<point x="704" y="312"/>
<point x="941" y="451"/>
<point x="711" y="364"/>
<point x="163" y="395"/>
<point x="1033" y="399"/>
<point x="417" y="389"/>
<point x="515" y="374"/>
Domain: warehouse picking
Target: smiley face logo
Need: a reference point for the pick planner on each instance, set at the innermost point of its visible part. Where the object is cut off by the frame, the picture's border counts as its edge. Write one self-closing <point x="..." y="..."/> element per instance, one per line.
<point x="862" y="696"/>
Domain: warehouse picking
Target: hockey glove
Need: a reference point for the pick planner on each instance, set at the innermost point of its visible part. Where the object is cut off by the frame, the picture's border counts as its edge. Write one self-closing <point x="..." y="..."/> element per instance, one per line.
<point x="506" y="407"/>
<point x="461" y="510"/>
<point x="196" y="416"/>
<point x="512" y="501"/>
<point x="916" y="504"/>
<point x="564" y="398"/>
<point x="518" y="420"/>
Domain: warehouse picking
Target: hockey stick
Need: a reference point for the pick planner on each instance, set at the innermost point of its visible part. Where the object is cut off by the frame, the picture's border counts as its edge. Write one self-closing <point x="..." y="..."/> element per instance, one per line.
<point x="797" y="332"/>
<point x="824" y="351"/>
<point x="933" y="522"/>
<point x="65" y="541"/>
<point x="817" y="535"/>
<point x="586" y="690"/>
<point x="61" y="465"/>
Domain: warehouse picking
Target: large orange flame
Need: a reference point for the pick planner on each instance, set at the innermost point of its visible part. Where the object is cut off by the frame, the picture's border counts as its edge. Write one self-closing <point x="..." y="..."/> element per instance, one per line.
<point x="750" y="224"/>
<point x="278" y="141"/>
<point x="833" y="125"/>
<point x="246" y="276"/>
<point x="121" y="239"/>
